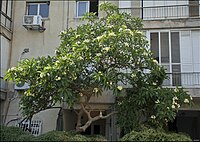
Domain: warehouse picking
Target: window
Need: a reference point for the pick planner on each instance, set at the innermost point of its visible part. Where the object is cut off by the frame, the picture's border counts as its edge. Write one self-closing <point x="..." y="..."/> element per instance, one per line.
<point x="41" y="9"/>
<point x="166" y="50"/>
<point x="6" y="13"/>
<point x="86" y="6"/>
<point x="193" y="8"/>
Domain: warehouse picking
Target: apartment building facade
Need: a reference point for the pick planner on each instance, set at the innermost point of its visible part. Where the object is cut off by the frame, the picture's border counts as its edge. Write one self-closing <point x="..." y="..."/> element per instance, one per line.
<point x="173" y="30"/>
<point x="6" y="31"/>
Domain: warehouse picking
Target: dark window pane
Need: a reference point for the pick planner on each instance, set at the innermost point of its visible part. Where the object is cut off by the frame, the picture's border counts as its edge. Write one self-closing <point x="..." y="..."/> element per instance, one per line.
<point x="176" y="76"/>
<point x="194" y="8"/>
<point x="44" y="10"/>
<point x="32" y="9"/>
<point x="154" y="45"/>
<point x="94" y="6"/>
<point x="164" y="41"/>
<point x="175" y="47"/>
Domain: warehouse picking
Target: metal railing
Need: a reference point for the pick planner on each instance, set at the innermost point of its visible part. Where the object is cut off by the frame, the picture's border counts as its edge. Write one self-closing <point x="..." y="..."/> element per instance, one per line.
<point x="35" y="126"/>
<point x="164" y="12"/>
<point x="190" y="79"/>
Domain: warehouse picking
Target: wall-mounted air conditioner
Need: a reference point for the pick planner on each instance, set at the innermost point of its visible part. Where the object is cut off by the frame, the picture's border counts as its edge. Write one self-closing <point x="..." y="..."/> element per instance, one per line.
<point x="32" y="22"/>
<point x="20" y="86"/>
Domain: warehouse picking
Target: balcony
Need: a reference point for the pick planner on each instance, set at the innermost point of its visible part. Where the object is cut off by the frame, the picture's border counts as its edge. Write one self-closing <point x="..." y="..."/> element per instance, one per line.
<point x="187" y="80"/>
<point x="165" y="12"/>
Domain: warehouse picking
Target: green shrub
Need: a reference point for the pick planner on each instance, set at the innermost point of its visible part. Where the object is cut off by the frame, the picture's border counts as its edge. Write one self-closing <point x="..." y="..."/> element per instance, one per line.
<point x="14" y="134"/>
<point x="154" y="135"/>
<point x="17" y="134"/>
<point x="97" y="138"/>
<point x="61" y="136"/>
<point x="50" y="136"/>
<point x="26" y="137"/>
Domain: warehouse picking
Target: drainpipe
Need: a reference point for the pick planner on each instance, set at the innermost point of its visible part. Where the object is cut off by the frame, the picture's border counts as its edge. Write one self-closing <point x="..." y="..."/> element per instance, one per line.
<point x="67" y="14"/>
<point x="142" y="9"/>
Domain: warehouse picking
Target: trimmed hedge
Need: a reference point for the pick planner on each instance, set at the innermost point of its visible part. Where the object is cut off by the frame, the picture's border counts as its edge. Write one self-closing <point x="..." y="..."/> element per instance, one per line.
<point x="154" y="135"/>
<point x="96" y="138"/>
<point x="14" y="134"/>
<point x="17" y="134"/>
<point x="61" y="136"/>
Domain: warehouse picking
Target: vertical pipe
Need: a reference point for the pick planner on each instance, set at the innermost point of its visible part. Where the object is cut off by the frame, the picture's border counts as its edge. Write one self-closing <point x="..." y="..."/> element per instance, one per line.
<point x="67" y="14"/>
<point x="142" y="9"/>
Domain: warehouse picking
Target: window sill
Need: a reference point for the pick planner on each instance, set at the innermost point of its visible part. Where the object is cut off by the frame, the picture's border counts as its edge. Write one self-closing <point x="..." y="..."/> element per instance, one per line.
<point x="45" y="19"/>
<point x="79" y="18"/>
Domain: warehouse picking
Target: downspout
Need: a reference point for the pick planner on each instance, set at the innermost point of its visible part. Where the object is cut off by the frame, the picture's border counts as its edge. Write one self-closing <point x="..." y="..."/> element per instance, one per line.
<point x="142" y="9"/>
<point x="67" y="14"/>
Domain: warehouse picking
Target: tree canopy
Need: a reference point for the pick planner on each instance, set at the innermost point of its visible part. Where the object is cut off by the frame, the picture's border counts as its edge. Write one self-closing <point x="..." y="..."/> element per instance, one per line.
<point x="108" y="53"/>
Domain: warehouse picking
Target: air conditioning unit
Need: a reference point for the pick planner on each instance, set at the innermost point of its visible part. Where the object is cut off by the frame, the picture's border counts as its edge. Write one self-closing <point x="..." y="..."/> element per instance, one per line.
<point x="21" y="86"/>
<point x="33" y="22"/>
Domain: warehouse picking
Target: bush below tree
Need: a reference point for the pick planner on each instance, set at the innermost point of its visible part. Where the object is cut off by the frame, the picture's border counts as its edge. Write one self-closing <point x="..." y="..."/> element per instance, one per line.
<point x="17" y="134"/>
<point x="149" y="134"/>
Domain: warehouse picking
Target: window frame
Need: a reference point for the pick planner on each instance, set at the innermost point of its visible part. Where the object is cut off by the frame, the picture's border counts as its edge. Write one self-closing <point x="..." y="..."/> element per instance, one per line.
<point x="77" y="7"/>
<point x="169" y="64"/>
<point x="38" y="8"/>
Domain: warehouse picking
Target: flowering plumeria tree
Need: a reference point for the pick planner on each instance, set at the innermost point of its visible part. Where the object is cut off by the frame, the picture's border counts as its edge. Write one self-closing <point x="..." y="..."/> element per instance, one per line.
<point x="104" y="54"/>
<point x="148" y="104"/>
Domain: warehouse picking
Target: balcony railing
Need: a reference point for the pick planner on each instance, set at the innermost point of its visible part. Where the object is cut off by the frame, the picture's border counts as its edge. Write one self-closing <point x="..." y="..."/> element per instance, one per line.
<point x="183" y="79"/>
<point x="164" y="12"/>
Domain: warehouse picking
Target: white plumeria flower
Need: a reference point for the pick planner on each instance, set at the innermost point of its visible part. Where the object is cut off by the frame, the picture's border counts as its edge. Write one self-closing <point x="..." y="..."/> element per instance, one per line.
<point x="64" y="58"/>
<point x="58" y="78"/>
<point x="95" y="90"/>
<point x="112" y="34"/>
<point x="13" y="68"/>
<point x="77" y="36"/>
<point x="126" y="44"/>
<point x="124" y="26"/>
<point x="119" y="88"/>
<point x="154" y="83"/>
<point x="99" y="37"/>
<point x="133" y="75"/>
<point x="173" y="106"/>
<point x="178" y="105"/>
<point x="42" y="75"/>
<point x="98" y="54"/>
<point x="129" y="31"/>
<point x="153" y="117"/>
<point x="120" y="29"/>
<point x="106" y="48"/>
<point x="119" y="103"/>
<point x="175" y="98"/>
<point x="155" y="61"/>
<point x="139" y="32"/>
<point x="176" y="89"/>
<point x="186" y="101"/>
<point x="191" y="98"/>
<point x="157" y="101"/>
<point x="81" y="58"/>
<point x="86" y="41"/>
